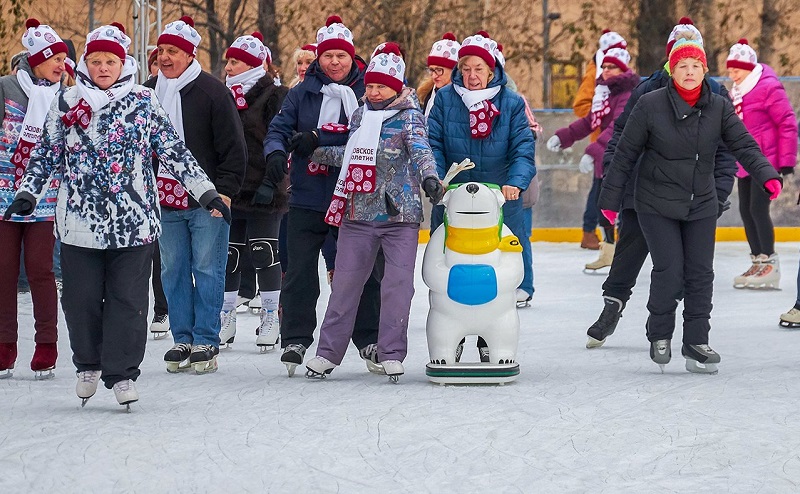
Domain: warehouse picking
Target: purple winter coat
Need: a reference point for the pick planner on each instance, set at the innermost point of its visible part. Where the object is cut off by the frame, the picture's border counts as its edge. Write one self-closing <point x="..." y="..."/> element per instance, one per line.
<point x="620" y="90"/>
<point x="769" y="117"/>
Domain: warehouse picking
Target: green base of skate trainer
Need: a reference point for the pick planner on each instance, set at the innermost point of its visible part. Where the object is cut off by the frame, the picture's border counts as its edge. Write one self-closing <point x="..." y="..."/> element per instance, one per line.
<point x="472" y="373"/>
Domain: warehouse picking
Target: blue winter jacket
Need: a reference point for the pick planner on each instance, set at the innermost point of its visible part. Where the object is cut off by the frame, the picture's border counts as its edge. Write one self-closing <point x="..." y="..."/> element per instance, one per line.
<point x="299" y="113"/>
<point x="505" y="157"/>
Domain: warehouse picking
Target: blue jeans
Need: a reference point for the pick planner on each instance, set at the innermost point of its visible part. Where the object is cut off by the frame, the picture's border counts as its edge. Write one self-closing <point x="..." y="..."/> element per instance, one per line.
<point x="527" y="254"/>
<point x="591" y="215"/>
<point x="194" y="245"/>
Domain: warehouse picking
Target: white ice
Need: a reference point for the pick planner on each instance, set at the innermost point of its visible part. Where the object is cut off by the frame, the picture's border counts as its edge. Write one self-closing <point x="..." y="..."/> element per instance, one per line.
<point x="577" y="420"/>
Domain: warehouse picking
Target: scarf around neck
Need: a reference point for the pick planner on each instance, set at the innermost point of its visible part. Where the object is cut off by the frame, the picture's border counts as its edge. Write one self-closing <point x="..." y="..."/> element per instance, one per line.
<point x="334" y="97"/>
<point x="429" y="105"/>
<point x="241" y="84"/>
<point x="690" y="96"/>
<point x="170" y="192"/>
<point x="359" y="166"/>
<point x="92" y="99"/>
<point x="481" y="110"/>
<point x="600" y="104"/>
<point x="739" y="91"/>
<point x="39" y="99"/>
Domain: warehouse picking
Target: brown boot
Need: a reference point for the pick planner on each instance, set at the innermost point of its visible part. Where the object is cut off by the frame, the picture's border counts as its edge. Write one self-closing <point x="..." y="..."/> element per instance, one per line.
<point x="590" y="241"/>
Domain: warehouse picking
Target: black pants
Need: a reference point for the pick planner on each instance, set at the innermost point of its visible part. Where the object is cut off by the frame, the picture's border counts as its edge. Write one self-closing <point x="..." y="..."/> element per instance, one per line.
<point x="683" y="265"/>
<point x="254" y="236"/>
<point x="629" y="256"/>
<point x="305" y="233"/>
<point x="754" y="207"/>
<point x="160" y="308"/>
<point x="105" y="305"/>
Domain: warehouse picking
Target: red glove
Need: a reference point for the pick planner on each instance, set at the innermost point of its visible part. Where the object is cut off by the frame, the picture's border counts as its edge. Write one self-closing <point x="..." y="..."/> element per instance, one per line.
<point x="774" y="187"/>
<point x="610" y="215"/>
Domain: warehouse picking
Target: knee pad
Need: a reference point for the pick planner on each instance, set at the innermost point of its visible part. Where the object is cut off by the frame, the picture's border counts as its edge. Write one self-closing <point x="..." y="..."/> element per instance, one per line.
<point x="264" y="252"/>
<point x="234" y="257"/>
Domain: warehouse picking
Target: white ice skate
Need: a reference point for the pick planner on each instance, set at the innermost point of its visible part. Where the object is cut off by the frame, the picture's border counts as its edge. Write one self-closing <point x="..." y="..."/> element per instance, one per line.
<point x="394" y="369"/>
<point x="227" y="324"/>
<point x="126" y="393"/>
<point x="700" y="359"/>
<point x="160" y="326"/>
<point x="87" y="385"/>
<point x="269" y="331"/>
<point x="203" y="359"/>
<point x="523" y="299"/>
<point x="319" y="368"/>
<point x="603" y="261"/>
<point x="255" y="304"/>
<point x="741" y="280"/>
<point x="791" y="319"/>
<point x="370" y="355"/>
<point x="292" y="357"/>
<point x="768" y="275"/>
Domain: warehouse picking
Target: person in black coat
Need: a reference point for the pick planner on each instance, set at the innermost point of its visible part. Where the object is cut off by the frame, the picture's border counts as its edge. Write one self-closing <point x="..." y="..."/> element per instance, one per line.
<point x="678" y="129"/>
<point x="631" y="251"/>
<point x="258" y="206"/>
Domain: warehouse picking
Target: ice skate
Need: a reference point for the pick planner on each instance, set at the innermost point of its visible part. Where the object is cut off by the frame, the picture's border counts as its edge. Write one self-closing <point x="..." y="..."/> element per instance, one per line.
<point x="661" y="352"/>
<point x="87" y="385"/>
<point x="160" y="326"/>
<point x="741" y="280"/>
<point x="44" y="361"/>
<point x="523" y="299"/>
<point x="177" y="358"/>
<point x="370" y="355"/>
<point x="242" y="304"/>
<point x="394" y="369"/>
<point x="606" y="323"/>
<point x="604" y="261"/>
<point x="700" y="359"/>
<point x="319" y="368"/>
<point x="203" y="359"/>
<point x="768" y="275"/>
<point x="292" y="357"/>
<point x="268" y="331"/>
<point x="59" y="287"/>
<point x="227" y="332"/>
<point x="8" y="355"/>
<point x="126" y="393"/>
<point x="255" y="304"/>
<point x="791" y="319"/>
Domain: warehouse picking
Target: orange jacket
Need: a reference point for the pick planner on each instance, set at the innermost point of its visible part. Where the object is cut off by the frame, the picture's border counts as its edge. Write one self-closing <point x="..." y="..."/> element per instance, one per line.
<point x="583" y="100"/>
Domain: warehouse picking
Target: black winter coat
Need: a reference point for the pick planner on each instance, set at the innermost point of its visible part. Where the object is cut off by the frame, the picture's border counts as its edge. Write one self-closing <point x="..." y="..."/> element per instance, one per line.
<point x="678" y="144"/>
<point x="724" y="173"/>
<point x="264" y="101"/>
<point x="213" y="132"/>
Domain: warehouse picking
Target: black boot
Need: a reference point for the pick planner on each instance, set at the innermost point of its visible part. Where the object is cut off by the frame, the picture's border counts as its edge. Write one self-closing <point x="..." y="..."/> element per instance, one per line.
<point x="606" y="323"/>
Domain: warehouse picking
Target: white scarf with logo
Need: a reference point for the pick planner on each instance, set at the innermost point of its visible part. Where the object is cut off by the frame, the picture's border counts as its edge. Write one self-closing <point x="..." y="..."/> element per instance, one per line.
<point x="334" y="96"/>
<point x="244" y="82"/>
<point x="739" y="91"/>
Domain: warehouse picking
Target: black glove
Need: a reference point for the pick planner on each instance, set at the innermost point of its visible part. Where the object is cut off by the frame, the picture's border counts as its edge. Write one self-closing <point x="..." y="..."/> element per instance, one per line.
<point x="220" y="206"/>
<point x="264" y="194"/>
<point x="20" y="206"/>
<point x="786" y="170"/>
<point x="303" y="143"/>
<point x="277" y="167"/>
<point x="433" y="189"/>
<point x="722" y="207"/>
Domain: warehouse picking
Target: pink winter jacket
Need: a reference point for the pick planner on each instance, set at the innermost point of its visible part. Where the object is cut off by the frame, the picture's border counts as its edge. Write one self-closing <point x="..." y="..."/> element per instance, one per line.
<point x="620" y="87"/>
<point x="769" y="117"/>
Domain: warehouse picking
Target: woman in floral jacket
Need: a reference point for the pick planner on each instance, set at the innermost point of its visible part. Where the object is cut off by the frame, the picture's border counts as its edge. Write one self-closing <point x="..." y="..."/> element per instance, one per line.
<point x="103" y="132"/>
<point x="377" y="204"/>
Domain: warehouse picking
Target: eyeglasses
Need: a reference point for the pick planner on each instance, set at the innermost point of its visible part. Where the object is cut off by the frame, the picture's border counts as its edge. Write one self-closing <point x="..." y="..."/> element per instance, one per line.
<point x="609" y="66"/>
<point x="436" y="71"/>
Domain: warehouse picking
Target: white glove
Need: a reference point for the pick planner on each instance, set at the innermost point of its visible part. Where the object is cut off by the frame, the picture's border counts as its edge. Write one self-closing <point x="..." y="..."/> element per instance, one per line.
<point x="587" y="164"/>
<point x="554" y="144"/>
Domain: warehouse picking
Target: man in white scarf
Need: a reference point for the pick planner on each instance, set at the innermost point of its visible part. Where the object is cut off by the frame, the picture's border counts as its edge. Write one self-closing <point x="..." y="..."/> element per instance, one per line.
<point x="194" y="243"/>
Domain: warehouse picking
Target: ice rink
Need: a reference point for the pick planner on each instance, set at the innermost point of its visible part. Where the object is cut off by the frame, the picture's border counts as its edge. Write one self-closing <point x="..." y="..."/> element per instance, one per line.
<point x="576" y="420"/>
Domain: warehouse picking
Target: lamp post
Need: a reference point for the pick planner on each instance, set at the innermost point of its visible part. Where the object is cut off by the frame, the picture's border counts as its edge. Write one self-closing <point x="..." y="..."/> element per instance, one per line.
<point x="547" y="18"/>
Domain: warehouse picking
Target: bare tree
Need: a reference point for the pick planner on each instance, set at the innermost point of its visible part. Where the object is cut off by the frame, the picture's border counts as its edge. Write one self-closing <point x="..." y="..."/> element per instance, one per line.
<point x="655" y="21"/>
<point x="269" y="27"/>
<point x="12" y="22"/>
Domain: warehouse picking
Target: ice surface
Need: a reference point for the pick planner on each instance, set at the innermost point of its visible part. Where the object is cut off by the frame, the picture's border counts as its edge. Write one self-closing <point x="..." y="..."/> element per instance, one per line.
<point x="577" y="420"/>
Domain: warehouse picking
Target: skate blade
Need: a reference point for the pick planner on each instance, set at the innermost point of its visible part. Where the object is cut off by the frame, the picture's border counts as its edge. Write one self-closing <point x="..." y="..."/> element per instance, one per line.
<point x="84" y="401"/>
<point x="763" y="286"/>
<point x="662" y="366"/>
<point x="394" y="379"/>
<point x="176" y="367"/>
<point x="594" y="343"/>
<point x="159" y="335"/>
<point x="264" y="348"/>
<point x="599" y="271"/>
<point x="523" y="304"/>
<point x="696" y="367"/>
<point x="290" y="368"/>
<point x="40" y="375"/>
<point x="6" y="374"/>
<point x="789" y="324"/>
<point x="312" y="374"/>
<point x="206" y="367"/>
<point x="375" y="368"/>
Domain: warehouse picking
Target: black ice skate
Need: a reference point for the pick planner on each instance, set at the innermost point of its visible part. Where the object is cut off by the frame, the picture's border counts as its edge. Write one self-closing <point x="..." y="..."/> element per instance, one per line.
<point x="370" y="355"/>
<point x="319" y="368"/>
<point x="160" y="326"/>
<point x="292" y="357"/>
<point x="700" y="359"/>
<point x="606" y="323"/>
<point x="661" y="352"/>
<point x="203" y="359"/>
<point x="177" y="358"/>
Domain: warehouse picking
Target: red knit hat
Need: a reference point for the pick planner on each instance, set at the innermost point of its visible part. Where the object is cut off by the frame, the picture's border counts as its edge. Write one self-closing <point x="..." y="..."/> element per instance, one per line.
<point x="42" y="42"/>
<point x="250" y="49"/>
<point x="387" y="68"/>
<point x="742" y="56"/>
<point x="312" y="47"/>
<point x="182" y="34"/>
<point x="684" y="48"/>
<point x="480" y="45"/>
<point x="619" y="57"/>
<point x="69" y="66"/>
<point x="444" y="52"/>
<point x="335" y="36"/>
<point x="111" y="38"/>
